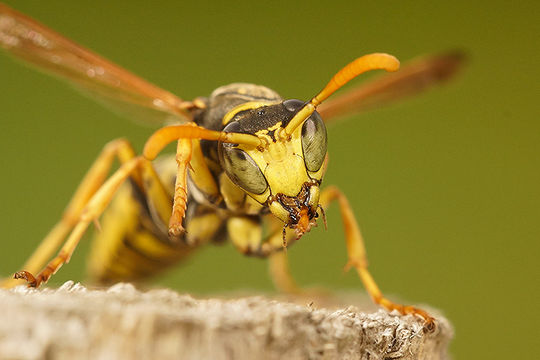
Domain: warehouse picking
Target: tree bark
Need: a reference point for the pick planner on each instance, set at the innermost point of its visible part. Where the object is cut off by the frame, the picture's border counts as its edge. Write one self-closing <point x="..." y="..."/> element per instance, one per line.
<point x="121" y="322"/>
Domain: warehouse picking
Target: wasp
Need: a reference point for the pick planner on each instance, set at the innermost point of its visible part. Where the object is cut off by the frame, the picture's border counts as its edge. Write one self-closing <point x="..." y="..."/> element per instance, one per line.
<point x="245" y="158"/>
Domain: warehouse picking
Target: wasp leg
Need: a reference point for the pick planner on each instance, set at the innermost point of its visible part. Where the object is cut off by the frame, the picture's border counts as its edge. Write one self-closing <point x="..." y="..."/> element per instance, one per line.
<point x="200" y="173"/>
<point x="188" y="149"/>
<point x="183" y="156"/>
<point x="278" y="262"/>
<point x="204" y="225"/>
<point x="146" y="179"/>
<point x="246" y="234"/>
<point x="93" y="179"/>
<point x="188" y="155"/>
<point x="358" y="259"/>
<point x="90" y="213"/>
<point x="280" y="273"/>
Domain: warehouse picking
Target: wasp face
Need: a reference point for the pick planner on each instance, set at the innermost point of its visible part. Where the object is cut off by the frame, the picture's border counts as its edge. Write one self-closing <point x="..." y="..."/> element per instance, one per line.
<point x="286" y="173"/>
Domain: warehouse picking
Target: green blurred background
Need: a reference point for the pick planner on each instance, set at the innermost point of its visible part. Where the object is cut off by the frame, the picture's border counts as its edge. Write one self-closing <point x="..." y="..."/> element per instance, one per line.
<point x="445" y="186"/>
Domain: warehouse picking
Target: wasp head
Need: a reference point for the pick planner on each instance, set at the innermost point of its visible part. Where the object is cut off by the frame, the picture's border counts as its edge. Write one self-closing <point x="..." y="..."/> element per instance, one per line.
<point x="286" y="173"/>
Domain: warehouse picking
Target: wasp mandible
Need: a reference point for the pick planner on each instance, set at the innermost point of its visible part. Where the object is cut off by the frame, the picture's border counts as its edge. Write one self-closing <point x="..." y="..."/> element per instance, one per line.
<point x="244" y="157"/>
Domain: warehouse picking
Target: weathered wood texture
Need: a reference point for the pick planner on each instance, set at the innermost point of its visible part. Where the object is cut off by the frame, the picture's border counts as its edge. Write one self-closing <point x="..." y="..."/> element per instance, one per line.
<point x="73" y="322"/>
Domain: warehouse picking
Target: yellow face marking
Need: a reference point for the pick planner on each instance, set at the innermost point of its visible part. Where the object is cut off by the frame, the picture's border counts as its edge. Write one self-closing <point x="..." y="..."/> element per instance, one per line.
<point x="282" y="164"/>
<point x="263" y="134"/>
<point x="275" y="127"/>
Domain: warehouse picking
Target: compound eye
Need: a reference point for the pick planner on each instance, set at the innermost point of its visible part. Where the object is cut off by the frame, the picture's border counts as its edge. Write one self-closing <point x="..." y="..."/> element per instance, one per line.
<point x="242" y="169"/>
<point x="293" y="105"/>
<point x="314" y="142"/>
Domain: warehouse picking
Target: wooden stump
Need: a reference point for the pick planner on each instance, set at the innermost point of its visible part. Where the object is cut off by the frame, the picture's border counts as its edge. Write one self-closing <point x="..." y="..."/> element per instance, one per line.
<point x="120" y="322"/>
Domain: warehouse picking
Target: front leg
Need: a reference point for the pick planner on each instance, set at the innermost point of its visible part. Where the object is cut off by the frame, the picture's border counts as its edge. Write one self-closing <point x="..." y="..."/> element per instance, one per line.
<point x="246" y="234"/>
<point x="358" y="259"/>
<point x="183" y="156"/>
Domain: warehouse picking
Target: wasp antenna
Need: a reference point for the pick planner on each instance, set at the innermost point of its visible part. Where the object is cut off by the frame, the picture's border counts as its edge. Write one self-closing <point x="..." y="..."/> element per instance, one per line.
<point x="377" y="61"/>
<point x="362" y="64"/>
<point x="168" y="134"/>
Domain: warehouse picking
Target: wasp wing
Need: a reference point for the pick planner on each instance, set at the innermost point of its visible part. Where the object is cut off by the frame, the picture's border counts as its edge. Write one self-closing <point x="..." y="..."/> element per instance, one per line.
<point x="413" y="78"/>
<point x="125" y="92"/>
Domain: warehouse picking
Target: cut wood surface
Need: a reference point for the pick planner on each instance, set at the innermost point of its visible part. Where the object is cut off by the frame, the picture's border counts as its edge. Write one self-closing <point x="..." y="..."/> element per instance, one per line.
<point x="121" y="322"/>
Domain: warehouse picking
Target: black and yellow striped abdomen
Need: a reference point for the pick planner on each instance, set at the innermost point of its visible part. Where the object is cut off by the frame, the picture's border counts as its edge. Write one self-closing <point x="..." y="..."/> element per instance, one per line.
<point x="130" y="244"/>
<point x="133" y="244"/>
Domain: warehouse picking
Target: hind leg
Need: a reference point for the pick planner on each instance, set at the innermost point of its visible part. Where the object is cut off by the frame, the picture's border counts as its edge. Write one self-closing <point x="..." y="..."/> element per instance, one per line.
<point x="93" y="181"/>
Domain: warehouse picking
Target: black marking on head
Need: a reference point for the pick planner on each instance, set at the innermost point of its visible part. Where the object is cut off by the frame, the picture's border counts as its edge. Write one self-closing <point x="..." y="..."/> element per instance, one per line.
<point x="293" y="204"/>
<point x="251" y="121"/>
